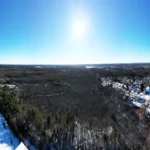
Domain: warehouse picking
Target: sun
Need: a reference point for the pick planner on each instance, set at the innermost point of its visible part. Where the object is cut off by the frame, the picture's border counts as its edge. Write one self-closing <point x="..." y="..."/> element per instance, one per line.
<point x="79" y="28"/>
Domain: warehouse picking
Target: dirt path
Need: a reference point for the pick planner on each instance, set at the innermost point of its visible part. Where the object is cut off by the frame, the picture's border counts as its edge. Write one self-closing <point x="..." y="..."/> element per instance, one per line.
<point x="56" y="94"/>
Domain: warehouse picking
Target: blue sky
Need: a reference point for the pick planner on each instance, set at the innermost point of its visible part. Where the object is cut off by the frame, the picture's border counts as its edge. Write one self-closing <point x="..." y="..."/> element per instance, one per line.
<point x="74" y="31"/>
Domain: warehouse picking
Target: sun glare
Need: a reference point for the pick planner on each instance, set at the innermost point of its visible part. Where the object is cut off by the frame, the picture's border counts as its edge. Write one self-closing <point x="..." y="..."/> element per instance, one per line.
<point x="79" y="28"/>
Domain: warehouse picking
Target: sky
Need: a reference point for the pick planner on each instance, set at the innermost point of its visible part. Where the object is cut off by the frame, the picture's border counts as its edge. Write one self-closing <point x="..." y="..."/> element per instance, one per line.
<point x="74" y="31"/>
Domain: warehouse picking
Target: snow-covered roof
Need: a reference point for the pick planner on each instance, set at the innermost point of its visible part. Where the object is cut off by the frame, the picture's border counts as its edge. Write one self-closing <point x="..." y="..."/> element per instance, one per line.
<point x="10" y="85"/>
<point x="145" y="97"/>
<point x="147" y="89"/>
<point x="137" y="104"/>
<point x="141" y="94"/>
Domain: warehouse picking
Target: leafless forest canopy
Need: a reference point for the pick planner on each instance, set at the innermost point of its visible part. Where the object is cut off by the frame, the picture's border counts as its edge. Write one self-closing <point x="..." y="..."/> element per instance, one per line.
<point x="66" y="107"/>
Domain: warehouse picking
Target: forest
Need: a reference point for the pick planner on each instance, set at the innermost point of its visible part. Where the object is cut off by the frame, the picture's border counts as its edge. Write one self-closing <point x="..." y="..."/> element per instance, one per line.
<point x="66" y="107"/>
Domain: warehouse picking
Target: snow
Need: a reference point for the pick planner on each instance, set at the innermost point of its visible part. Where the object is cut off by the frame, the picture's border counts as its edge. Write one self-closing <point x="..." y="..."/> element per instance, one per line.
<point x="137" y="104"/>
<point x="11" y="86"/>
<point x="7" y="138"/>
<point x="21" y="147"/>
<point x="148" y="110"/>
<point x="88" y="67"/>
<point x="141" y="94"/>
<point x="145" y="97"/>
<point x="5" y="147"/>
<point x="8" y="141"/>
<point x="137" y="98"/>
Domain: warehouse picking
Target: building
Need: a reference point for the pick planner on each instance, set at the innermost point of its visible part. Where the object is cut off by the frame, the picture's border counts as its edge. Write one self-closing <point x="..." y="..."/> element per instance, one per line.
<point x="11" y="86"/>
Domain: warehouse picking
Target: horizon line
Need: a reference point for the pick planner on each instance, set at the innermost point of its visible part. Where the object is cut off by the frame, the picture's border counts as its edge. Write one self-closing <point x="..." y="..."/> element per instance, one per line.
<point x="81" y="64"/>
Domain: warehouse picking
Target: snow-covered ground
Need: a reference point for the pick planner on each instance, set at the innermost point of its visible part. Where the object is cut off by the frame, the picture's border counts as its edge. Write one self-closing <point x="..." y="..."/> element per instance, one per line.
<point x="132" y="90"/>
<point x="8" y="141"/>
<point x="21" y="147"/>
